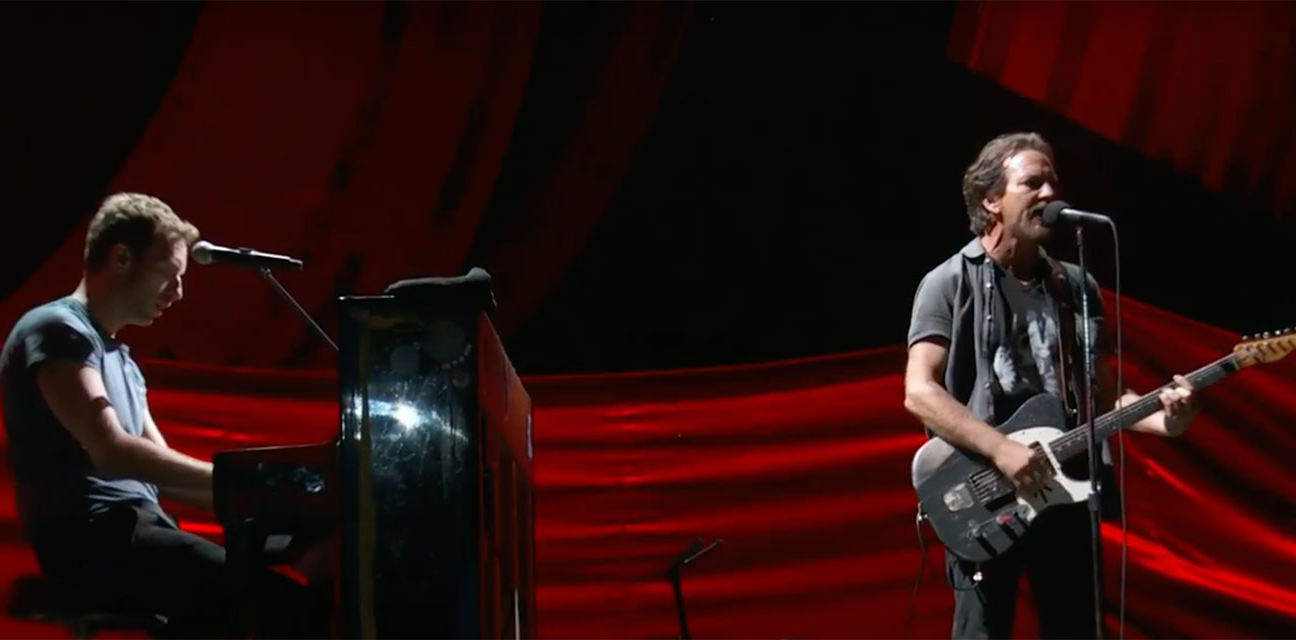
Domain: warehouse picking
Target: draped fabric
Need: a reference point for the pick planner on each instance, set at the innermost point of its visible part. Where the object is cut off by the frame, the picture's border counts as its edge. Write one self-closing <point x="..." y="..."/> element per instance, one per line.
<point x="387" y="140"/>
<point x="801" y="468"/>
<point x="1206" y="86"/>
<point x="284" y="119"/>
<point x="368" y="139"/>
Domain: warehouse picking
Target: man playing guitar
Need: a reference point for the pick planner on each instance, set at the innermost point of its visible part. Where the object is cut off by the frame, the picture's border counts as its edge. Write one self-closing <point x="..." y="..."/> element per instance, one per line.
<point x="992" y="327"/>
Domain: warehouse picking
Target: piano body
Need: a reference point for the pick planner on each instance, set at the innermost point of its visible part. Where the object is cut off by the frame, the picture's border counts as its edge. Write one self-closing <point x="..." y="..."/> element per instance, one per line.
<point x="425" y="495"/>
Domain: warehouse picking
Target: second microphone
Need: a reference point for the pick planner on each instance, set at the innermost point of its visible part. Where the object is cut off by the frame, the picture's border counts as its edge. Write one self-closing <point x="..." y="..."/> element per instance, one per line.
<point x="204" y="252"/>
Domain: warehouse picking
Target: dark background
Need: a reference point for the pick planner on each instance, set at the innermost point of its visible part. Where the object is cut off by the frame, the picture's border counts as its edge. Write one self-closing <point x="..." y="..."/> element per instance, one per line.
<point x="804" y="172"/>
<point x="661" y="186"/>
<point x="798" y="175"/>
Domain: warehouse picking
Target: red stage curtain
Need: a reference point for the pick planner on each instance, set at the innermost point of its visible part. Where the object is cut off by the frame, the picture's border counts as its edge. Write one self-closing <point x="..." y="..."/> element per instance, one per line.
<point x="1203" y="85"/>
<point x="368" y="139"/>
<point x="802" y="468"/>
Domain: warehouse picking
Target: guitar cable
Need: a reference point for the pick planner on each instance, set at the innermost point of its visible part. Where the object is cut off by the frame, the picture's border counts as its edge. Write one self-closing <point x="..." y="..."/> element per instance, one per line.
<point x="1120" y="439"/>
<point x="919" y="516"/>
<point x="922" y="570"/>
<point x="922" y="573"/>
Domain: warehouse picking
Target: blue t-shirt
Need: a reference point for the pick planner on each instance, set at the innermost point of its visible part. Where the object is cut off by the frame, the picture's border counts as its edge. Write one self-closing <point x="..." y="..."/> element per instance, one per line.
<point x="57" y="484"/>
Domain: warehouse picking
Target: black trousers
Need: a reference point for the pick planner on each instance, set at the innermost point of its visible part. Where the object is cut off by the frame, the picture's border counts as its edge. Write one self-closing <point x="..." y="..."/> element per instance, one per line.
<point x="1057" y="558"/>
<point x="134" y="558"/>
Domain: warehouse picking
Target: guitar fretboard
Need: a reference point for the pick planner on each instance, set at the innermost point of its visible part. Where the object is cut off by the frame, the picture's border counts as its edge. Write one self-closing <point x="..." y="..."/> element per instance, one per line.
<point x="1076" y="441"/>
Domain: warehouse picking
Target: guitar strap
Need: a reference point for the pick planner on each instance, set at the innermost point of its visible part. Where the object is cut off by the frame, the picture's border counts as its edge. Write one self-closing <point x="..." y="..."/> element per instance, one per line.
<point x="1068" y="309"/>
<point x="1063" y="293"/>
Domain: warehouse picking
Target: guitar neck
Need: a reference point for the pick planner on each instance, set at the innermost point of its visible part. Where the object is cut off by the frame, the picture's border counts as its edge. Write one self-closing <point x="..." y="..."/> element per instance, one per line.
<point x="1076" y="441"/>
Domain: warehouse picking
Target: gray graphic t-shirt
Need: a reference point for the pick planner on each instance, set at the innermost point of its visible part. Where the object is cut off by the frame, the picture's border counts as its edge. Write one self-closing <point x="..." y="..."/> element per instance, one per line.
<point x="1028" y="364"/>
<point x="56" y="482"/>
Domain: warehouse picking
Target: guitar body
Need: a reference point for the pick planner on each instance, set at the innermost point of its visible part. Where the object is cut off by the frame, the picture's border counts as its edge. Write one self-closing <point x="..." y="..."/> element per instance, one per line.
<point x="975" y="511"/>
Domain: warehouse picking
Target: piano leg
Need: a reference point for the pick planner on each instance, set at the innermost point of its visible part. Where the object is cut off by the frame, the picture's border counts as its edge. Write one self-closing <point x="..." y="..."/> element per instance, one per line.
<point x="242" y="556"/>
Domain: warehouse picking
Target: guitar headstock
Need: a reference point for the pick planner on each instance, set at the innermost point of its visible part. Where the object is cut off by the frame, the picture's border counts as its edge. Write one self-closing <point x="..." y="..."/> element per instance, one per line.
<point x="1265" y="347"/>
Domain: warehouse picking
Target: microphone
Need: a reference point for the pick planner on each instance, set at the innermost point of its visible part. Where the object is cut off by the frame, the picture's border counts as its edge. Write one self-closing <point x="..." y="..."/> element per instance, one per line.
<point x="1059" y="211"/>
<point x="207" y="253"/>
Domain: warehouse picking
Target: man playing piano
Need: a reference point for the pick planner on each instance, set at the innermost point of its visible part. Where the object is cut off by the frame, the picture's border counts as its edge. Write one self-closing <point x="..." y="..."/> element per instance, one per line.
<point x="90" y="462"/>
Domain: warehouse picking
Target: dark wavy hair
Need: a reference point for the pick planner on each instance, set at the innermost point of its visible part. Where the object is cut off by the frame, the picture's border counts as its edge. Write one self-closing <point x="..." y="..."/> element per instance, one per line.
<point x="985" y="176"/>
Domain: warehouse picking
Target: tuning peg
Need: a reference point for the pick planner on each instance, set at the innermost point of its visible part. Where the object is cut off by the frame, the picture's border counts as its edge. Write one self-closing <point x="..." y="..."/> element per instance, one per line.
<point x="1266" y="335"/>
<point x="1245" y="337"/>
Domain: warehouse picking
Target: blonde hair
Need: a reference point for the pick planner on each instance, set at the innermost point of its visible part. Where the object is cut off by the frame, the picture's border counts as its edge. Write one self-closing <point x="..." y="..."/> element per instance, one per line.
<point x="135" y="220"/>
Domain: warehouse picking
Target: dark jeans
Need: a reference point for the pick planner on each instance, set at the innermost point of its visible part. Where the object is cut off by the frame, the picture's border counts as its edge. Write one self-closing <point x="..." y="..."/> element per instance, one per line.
<point x="1057" y="558"/>
<point x="134" y="558"/>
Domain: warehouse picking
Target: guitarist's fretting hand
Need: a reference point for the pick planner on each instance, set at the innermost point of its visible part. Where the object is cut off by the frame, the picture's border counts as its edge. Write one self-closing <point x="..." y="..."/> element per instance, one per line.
<point x="1019" y="463"/>
<point x="1178" y="408"/>
<point x="1179" y="405"/>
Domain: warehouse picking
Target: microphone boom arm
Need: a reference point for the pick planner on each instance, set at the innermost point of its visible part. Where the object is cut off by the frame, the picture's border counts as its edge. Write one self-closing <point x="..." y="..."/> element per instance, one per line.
<point x="283" y="293"/>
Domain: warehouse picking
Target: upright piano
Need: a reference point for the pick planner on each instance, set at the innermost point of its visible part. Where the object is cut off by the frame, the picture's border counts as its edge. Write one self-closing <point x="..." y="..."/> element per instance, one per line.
<point x="424" y="497"/>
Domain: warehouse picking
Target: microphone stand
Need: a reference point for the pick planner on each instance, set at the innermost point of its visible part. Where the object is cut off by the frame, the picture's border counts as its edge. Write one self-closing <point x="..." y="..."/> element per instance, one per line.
<point x="274" y="284"/>
<point x="1095" y="503"/>
<point x="240" y="541"/>
<point x="691" y="553"/>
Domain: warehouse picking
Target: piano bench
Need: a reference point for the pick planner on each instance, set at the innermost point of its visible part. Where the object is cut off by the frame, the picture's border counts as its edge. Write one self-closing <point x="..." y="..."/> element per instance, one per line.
<point x="41" y="599"/>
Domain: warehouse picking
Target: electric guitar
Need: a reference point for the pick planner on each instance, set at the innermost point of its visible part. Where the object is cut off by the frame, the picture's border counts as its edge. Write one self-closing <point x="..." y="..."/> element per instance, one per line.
<point x="978" y="513"/>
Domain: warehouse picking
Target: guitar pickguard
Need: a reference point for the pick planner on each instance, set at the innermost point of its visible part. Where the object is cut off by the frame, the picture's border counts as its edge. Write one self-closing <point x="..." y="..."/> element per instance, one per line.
<point x="1058" y="489"/>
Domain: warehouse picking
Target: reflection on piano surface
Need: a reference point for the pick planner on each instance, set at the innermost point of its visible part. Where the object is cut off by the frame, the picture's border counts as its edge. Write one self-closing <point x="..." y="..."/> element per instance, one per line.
<point x="425" y="495"/>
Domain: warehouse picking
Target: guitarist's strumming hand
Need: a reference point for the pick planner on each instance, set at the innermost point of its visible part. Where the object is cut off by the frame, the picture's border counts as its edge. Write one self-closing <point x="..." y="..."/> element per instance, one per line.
<point x="1019" y="463"/>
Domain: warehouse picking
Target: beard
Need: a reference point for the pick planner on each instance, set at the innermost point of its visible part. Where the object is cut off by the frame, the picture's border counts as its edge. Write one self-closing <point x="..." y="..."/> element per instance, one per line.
<point x="142" y="307"/>
<point x="1030" y="226"/>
